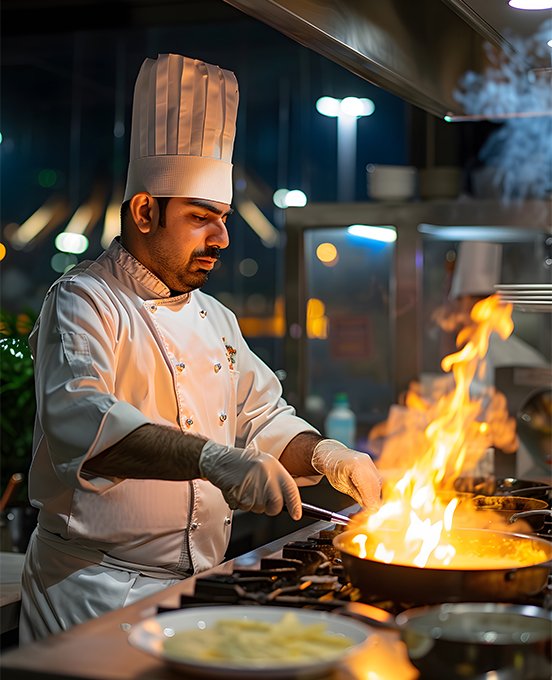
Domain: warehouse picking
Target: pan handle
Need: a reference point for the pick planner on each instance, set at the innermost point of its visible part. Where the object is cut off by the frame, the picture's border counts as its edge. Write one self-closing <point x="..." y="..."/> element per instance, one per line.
<point x="367" y="613"/>
<point x="544" y="487"/>
<point x="528" y="513"/>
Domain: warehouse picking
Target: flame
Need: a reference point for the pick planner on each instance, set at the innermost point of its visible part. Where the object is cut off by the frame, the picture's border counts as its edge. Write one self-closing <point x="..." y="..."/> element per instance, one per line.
<point x="448" y="433"/>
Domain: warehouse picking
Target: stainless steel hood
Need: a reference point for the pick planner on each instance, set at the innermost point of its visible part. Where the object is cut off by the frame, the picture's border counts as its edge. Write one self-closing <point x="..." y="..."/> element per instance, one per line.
<point x="418" y="50"/>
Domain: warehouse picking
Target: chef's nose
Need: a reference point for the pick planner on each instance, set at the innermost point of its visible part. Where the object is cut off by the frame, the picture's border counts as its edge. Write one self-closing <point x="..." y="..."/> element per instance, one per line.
<point x="219" y="234"/>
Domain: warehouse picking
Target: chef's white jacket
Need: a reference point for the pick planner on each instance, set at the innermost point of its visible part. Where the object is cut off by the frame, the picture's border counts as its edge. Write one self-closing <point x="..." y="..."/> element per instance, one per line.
<point x="113" y="351"/>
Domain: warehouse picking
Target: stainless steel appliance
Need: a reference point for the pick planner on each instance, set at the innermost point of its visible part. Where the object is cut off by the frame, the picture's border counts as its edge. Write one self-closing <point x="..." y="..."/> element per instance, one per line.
<point x="377" y="301"/>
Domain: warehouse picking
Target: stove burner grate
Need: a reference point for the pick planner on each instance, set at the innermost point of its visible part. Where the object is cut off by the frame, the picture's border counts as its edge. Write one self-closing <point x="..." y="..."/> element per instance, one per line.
<point x="307" y="574"/>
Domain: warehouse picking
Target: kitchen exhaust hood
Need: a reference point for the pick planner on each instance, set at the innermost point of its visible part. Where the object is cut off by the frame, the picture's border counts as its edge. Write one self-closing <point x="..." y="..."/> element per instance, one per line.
<point x="417" y="50"/>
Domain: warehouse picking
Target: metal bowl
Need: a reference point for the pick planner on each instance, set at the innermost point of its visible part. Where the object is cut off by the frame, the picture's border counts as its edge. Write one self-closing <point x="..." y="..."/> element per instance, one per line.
<point x="467" y="640"/>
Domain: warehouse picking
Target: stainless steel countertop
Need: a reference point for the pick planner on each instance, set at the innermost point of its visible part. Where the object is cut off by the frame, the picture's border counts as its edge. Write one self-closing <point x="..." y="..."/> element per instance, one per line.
<point x="99" y="648"/>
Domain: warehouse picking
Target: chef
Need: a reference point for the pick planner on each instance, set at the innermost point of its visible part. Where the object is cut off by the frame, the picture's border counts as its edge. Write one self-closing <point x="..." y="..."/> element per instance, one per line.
<point x="477" y="270"/>
<point x="154" y="418"/>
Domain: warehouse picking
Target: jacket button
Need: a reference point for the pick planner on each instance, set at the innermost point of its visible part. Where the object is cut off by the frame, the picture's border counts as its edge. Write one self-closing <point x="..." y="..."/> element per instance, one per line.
<point x="180" y="366"/>
<point x="153" y="308"/>
<point x="202" y="313"/>
<point x="189" y="422"/>
<point x="222" y="418"/>
<point x="217" y="367"/>
<point x="194" y="526"/>
<point x="228" y="521"/>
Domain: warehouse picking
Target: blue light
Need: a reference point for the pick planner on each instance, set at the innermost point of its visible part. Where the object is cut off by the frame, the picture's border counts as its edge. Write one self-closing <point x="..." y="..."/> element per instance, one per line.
<point x="384" y="234"/>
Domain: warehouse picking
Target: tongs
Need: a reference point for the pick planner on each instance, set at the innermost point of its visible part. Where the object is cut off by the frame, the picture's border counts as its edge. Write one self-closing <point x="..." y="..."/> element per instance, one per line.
<point x="321" y="513"/>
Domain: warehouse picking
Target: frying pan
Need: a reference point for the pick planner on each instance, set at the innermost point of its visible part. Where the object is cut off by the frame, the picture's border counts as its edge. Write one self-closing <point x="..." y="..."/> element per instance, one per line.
<point x="512" y="508"/>
<point x="506" y="486"/>
<point x="427" y="585"/>
<point x="494" y="512"/>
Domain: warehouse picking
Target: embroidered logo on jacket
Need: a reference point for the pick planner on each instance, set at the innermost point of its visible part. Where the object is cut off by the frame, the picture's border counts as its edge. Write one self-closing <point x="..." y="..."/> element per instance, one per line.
<point x="230" y="355"/>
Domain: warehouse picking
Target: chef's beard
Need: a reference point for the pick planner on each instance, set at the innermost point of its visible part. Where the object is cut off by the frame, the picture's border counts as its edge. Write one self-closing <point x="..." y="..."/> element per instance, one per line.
<point x="192" y="280"/>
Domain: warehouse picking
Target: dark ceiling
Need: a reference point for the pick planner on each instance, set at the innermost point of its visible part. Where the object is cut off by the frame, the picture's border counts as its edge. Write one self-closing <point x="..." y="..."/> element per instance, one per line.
<point x="23" y="17"/>
<point x="37" y="16"/>
<point x="67" y="73"/>
<point x="412" y="62"/>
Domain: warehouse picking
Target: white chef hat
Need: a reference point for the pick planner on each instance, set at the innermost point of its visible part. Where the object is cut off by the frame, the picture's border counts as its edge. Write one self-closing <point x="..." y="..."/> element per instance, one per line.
<point x="183" y="128"/>
<point x="477" y="269"/>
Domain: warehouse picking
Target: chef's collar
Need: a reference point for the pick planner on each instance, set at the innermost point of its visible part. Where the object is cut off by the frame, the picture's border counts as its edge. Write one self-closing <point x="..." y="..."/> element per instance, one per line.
<point x="140" y="272"/>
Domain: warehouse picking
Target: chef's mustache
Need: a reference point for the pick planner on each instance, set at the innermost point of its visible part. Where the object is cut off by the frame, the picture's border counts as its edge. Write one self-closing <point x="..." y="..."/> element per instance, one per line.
<point x="211" y="251"/>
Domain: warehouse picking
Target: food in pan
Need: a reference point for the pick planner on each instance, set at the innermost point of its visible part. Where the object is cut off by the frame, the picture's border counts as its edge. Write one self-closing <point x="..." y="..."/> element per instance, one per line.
<point x="286" y="641"/>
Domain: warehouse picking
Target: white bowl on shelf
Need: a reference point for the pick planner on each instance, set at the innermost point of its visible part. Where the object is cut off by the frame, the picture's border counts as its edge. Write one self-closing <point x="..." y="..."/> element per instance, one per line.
<point x="391" y="182"/>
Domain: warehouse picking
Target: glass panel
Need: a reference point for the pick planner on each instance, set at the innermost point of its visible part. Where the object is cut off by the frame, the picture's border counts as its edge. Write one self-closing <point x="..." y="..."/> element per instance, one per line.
<point x="349" y="340"/>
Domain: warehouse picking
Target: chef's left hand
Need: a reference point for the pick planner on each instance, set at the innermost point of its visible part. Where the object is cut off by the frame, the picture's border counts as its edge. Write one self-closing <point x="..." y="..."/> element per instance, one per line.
<point x="351" y="472"/>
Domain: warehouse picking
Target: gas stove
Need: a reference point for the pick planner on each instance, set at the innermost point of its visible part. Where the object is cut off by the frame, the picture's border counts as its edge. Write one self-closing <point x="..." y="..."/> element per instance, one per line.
<point x="303" y="573"/>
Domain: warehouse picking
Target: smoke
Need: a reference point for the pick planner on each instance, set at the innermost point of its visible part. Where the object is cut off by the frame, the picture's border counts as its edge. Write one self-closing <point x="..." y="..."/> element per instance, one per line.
<point x="520" y="150"/>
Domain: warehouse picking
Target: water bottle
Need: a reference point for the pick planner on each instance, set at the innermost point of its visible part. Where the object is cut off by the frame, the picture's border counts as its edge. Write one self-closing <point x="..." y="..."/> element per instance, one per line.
<point x="340" y="423"/>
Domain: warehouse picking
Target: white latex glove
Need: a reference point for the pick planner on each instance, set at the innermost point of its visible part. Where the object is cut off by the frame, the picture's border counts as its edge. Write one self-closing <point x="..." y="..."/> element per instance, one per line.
<point x="348" y="471"/>
<point x="250" y="479"/>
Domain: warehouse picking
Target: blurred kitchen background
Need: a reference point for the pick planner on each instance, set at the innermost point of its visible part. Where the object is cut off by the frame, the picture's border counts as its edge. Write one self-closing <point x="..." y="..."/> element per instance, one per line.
<point x="423" y="124"/>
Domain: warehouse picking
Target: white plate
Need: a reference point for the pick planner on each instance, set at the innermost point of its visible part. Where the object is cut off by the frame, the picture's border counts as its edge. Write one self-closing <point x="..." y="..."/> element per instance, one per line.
<point x="150" y="635"/>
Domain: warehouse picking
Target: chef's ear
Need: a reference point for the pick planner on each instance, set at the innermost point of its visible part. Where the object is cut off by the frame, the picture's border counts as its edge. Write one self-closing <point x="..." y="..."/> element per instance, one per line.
<point x="145" y="212"/>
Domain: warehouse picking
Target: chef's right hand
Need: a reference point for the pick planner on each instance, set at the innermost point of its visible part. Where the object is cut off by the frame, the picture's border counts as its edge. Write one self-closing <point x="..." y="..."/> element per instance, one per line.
<point x="250" y="479"/>
<point x="351" y="472"/>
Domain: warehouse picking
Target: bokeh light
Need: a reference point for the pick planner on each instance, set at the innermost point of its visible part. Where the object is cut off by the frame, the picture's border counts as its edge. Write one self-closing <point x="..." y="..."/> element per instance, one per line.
<point x="327" y="253"/>
<point x="47" y="178"/>
<point x="296" y="199"/>
<point x="328" y="106"/>
<point x="354" y="107"/>
<point x="289" y="198"/>
<point x="279" y="198"/>
<point x="248" y="267"/>
<point x="69" y="242"/>
<point x="60" y="262"/>
<point x="385" y="234"/>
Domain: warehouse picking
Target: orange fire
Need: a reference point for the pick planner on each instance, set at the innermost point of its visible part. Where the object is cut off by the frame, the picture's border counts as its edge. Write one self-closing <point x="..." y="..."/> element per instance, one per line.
<point x="442" y="437"/>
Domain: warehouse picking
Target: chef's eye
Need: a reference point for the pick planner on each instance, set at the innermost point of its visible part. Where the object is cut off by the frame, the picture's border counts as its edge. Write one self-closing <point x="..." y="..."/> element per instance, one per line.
<point x="200" y="218"/>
